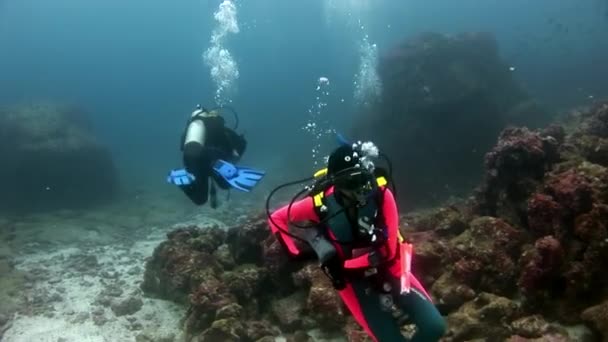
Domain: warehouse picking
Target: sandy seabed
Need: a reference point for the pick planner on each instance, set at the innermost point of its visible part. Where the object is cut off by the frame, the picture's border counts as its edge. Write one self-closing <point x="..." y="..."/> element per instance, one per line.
<point x="82" y="272"/>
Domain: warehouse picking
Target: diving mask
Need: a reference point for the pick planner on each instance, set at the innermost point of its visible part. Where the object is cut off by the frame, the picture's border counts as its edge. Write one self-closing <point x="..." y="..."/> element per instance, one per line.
<point x="354" y="184"/>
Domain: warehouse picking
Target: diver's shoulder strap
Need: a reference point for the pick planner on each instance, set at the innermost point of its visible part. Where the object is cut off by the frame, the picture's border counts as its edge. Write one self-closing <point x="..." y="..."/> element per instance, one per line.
<point x="319" y="198"/>
<point x="319" y="205"/>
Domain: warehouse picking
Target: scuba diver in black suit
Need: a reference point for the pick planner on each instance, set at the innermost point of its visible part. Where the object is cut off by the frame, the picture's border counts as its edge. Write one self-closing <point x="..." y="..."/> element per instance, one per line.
<point x="210" y="151"/>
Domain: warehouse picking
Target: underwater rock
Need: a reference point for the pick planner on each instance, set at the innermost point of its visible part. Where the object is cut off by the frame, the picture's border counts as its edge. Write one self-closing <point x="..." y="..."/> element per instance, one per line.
<point x="267" y="339"/>
<point x="59" y="140"/>
<point x="180" y="263"/>
<point x="224" y="257"/>
<point x="597" y="317"/>
<point x="245" y="281"/>
<point x="197" y="266"/>
<point x="591" y="226"/>
<point x="571" y="190"/>
<point x="246" y="240"/>
<point x="541" y="265"/>
<point x="324" y="305"/>
<point x="596" y="121"/>
<point x="354" y="333"/>
<point x="232" y="310"/>
<point x="258" y="330"/>
<point x="430" y="255"/>
<point x="514" y="169"/>
<point x="289" y="310"/>
<point x="127" y="306"/>
<point x="552" y="337"/>
<point x="437" y="89"/>
<point x="530" y="326"/>
<point x="307" y="276"/>
<point x="155" y="336"/>
<point x="299" y="336"/>
<point x="84" y="263"/>
<point x="209" y="297"/>
<point x="545" y="216"/>
<point x="274" y="256"/>
<point x="487" y="255"/>
<point x="554" y="131"/>
<point x="444" y="221"/>
<point x="209" y="241"/>
<point x="228" y="330"/>
<point x="594" y="149"/>
<point x="486" y="315"/>
<point x="450" y="293"/>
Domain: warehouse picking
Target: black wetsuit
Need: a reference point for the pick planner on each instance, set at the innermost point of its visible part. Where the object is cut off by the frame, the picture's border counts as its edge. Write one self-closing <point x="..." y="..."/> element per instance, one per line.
<point x="220" y="142"/>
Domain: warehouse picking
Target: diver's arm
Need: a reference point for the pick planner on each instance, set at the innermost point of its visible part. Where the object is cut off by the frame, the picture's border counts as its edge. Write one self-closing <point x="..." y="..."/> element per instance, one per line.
<point x="302" y="210"/>
<point x="389" y="249"/>
<point x="237" y="142"/>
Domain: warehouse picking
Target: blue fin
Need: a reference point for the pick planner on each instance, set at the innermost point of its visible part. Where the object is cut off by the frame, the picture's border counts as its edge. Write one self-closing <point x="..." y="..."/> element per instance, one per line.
<point x="240" y="178"/>
<point x="180" y="177"/>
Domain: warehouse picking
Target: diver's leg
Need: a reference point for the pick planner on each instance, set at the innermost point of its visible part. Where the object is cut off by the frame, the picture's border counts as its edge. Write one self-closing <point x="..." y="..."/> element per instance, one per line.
<point x="212" y="194"/>
<point x="221" y="182"/>
<point x="430" y="325"/>
<point x="194" y="158"/>
<point x="198" y="190"/>
<point x="196" y="162"/>
<point x="349" y="297"/>
<point x="366" y="308"/>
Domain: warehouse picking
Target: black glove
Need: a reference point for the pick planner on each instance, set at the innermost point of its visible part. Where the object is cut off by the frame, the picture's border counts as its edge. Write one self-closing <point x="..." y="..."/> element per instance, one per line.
<point x="334" y="269"/>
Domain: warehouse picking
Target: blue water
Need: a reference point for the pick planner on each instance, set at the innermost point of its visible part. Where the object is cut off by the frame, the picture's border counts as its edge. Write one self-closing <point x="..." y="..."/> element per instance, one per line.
<point x="137" y="66"/>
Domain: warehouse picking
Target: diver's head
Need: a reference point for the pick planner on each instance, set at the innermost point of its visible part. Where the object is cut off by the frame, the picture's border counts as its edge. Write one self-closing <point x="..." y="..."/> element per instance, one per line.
<point x="351" y="173"/>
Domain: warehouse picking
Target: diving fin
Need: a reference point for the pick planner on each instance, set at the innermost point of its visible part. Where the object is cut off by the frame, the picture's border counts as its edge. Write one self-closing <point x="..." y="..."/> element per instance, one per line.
<point x="180" y="177"/>
<point x="240" y="178"/>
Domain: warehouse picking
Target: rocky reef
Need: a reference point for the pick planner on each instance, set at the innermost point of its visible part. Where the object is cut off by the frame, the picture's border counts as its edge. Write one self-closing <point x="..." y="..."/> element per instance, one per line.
<point x="238" y="286"/>
<point x="51" y="159"/>
<point x="523" y="259"/>
<point x="438" y="90"/>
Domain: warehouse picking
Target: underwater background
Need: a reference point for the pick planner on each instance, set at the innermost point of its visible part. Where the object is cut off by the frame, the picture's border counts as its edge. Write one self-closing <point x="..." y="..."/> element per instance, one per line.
<point x="139" y="71"/>
<point x="119" y="80"/>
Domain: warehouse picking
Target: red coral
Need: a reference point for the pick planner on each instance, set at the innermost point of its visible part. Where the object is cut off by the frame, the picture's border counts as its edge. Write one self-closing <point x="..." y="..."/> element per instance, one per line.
<point x="575" y="279"/>
<point x="513" y="170"/>
<point x="572" y="190"/>
<point x="550" y="249"/>
<point x="597" y="121"/>
<point x="554" y="131"/>
<point x="210" y="296"/>
<point x="467" y="270"/>
<point x="547" y="258"/>
<point x="591" y="226"/>
<point x="516" y="148"/>
<point x="544" y="215"/>
<point x="488" y="253"/>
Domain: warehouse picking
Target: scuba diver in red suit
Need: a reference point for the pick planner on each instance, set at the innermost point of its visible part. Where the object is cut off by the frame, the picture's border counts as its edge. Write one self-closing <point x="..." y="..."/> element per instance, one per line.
<point x="355" y="235"/>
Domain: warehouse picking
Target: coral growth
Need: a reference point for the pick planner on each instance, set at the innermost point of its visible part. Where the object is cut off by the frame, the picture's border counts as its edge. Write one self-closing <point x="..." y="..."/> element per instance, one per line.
<point x="254" y="287"/>
<point x="514" y="168"/>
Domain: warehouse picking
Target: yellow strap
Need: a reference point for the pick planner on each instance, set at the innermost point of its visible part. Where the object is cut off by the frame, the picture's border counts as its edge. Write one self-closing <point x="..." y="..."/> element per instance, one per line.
<point x="318" y="199"/>
<point x="381" y="181"/>
<point x="401" y="239"/>
<point x="320" y="173"/>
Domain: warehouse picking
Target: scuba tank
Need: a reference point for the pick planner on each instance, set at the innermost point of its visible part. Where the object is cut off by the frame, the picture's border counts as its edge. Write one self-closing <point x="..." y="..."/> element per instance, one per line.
<point x="195" y="130"/>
